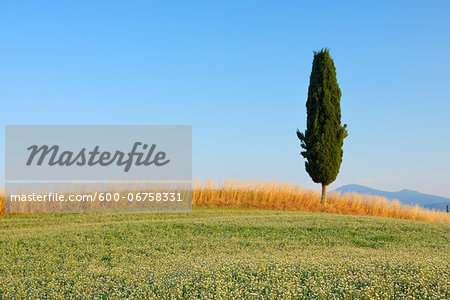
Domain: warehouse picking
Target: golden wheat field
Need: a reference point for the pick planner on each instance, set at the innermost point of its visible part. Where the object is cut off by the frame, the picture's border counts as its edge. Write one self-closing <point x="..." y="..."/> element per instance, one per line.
<point x="278" y="196"/>
<point x="264" y="195"/>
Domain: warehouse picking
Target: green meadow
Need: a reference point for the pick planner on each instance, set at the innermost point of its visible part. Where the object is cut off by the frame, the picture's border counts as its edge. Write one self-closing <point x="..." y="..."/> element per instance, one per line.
<point x="222" y="254"/>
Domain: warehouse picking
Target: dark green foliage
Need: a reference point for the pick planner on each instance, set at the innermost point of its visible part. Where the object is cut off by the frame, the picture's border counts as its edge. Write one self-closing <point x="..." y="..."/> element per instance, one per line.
<point x="324" y="135"/>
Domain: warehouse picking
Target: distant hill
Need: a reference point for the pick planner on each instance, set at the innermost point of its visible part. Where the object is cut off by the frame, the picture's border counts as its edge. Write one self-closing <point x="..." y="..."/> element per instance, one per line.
<point x="408" y="197"/>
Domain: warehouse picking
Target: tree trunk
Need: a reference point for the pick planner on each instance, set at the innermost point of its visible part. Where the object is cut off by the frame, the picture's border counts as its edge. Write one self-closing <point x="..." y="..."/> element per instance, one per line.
<point x="323" y="199"/>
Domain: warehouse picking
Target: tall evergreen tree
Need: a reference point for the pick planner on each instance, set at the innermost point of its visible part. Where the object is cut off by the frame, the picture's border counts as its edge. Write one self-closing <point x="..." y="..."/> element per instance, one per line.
<point x="324" y="136"/>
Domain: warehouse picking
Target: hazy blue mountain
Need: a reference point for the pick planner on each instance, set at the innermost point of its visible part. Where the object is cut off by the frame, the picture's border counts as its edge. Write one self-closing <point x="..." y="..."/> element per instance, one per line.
<point x="404" y="196"/>
<point x="438" y="206"/>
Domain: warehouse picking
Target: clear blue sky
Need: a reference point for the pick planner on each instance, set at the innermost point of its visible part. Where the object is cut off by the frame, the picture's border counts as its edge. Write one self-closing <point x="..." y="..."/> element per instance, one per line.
<point x="238" y="72"/>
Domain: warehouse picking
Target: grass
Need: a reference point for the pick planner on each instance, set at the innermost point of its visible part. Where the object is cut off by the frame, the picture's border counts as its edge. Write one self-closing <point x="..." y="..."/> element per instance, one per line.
<point x="223" y="254"/>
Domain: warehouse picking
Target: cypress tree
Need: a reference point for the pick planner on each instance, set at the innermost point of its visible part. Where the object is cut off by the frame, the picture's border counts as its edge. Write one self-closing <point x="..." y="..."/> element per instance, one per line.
<point x="324" y="136"/>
